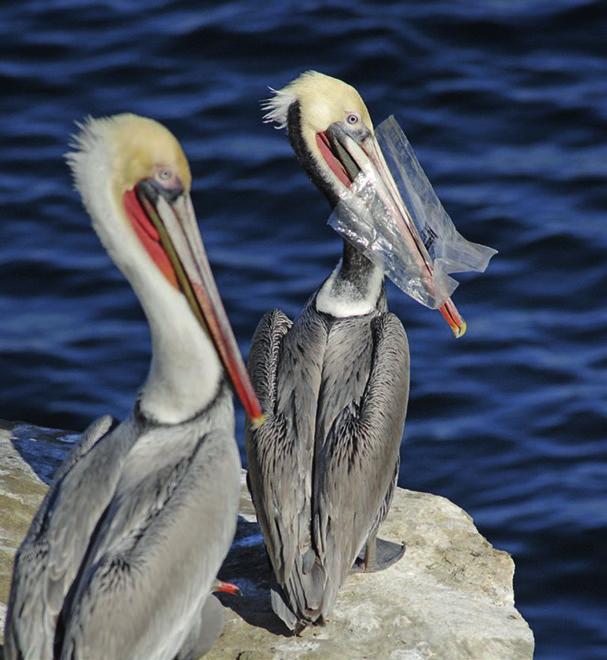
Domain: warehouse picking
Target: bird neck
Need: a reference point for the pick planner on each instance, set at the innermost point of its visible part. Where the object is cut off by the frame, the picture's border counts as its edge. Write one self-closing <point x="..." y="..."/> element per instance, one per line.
<point x="355" y="267"/>
<point x="305" y="157"/>
<point x="185" y="371"/>
<point x="353" y="288"/>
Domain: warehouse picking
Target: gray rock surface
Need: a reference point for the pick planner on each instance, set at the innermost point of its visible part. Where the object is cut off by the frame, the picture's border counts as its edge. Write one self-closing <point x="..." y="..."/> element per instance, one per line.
<point x="450" y="596"/>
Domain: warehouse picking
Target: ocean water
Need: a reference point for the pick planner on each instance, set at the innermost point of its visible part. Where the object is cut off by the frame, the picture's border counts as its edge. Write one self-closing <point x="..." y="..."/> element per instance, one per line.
<point x="505" y="103"/>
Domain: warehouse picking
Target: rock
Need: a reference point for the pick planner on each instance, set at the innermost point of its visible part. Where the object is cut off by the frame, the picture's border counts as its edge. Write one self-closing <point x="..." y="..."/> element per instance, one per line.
<point x="20" y="495"/>
<point x="451" y="595"/>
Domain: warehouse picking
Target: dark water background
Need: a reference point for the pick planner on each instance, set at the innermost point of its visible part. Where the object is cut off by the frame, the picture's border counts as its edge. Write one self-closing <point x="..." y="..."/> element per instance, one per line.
<point x="506" y="105"/>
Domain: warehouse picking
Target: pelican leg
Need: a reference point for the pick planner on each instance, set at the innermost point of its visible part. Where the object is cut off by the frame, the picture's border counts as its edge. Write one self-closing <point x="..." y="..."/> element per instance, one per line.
<point x="378" y="555"/>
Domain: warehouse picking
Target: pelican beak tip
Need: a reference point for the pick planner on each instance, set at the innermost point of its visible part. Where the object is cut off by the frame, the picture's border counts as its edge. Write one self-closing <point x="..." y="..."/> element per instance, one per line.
<point x="460" y="330"/>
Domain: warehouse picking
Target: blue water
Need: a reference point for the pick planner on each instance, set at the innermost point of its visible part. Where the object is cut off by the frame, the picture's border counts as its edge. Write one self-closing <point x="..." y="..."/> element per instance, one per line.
<point x="506" y="105"/>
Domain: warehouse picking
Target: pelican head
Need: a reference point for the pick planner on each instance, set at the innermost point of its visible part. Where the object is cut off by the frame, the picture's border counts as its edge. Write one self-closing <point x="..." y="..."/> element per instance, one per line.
<point x="320" y="114"/>
<point x="135" y="182"/>
<point x="332" y="135"/>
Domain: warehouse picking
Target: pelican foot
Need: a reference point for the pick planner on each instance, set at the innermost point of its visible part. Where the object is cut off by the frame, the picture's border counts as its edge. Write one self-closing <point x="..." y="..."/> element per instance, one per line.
<point x="378" y="558"/>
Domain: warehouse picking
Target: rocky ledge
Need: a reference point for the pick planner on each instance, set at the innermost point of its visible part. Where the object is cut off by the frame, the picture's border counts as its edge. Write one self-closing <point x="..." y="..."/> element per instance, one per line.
<point x="450" y="596"/>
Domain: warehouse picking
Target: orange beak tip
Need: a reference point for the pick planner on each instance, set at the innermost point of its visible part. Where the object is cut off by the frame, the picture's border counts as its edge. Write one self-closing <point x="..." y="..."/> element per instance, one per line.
<point x="227" y="588"/>
<point x="258" y="422"/>
<point x="460" y="330"/>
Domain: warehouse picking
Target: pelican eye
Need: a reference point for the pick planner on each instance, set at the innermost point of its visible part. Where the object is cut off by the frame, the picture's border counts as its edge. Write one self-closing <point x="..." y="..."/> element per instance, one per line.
<point x="164" y="175"/>
<point x="352" y="118"/>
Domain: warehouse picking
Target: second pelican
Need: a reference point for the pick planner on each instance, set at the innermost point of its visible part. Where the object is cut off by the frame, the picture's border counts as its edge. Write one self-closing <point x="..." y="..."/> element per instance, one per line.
<point x="334" y="384"/>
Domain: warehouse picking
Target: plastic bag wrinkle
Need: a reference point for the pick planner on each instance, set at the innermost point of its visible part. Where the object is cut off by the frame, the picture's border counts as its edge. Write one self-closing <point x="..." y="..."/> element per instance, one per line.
<point x="371" y="217"/>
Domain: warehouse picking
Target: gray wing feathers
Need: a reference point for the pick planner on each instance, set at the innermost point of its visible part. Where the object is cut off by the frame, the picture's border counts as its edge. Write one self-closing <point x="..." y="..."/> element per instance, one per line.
<point x="95" y="431"/>
<point x="387" y="503"/>
<point x="49" y="556"/>
<point x="285" y="365"/>
<point x="322" y="467"/>
<point x="264" y="356"/>
<point x="356" y="463"/>
<point x="263" y="366"/>
<point x="160" y="546"/>
<point x="203" y="635"/>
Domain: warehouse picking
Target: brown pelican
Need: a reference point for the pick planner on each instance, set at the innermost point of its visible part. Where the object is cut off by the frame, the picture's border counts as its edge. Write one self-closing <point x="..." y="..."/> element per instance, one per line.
<point x="334" y="384"/>
<point x="122" y="555"/>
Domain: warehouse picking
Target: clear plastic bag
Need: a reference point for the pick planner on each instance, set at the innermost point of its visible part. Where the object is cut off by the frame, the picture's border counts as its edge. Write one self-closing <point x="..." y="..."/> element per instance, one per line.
<point x="393" y="216"/>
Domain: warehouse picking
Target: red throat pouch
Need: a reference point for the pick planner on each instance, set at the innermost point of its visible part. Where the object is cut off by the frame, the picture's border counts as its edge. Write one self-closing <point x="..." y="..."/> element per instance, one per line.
<point x="148" y="236"/>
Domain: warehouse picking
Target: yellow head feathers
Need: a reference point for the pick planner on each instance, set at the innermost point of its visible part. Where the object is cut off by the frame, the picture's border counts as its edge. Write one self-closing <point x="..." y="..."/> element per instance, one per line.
<point x="323" y="100"/>
<point x="136" y="147"/>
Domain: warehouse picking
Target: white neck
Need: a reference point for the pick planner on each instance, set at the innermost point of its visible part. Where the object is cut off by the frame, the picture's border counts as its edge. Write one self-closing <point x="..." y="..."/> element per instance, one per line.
<point x="185" y="371"/>
<point x="343" y="295"/>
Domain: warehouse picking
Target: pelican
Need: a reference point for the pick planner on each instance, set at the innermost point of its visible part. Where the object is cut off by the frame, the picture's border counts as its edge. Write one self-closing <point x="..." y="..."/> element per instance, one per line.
<point x="334" y="384"/>
<point x="121" y="558"/>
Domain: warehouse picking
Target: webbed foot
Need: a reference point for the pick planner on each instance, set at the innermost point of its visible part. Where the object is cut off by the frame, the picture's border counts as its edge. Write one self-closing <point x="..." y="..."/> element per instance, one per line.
<point x="378" y="555"/>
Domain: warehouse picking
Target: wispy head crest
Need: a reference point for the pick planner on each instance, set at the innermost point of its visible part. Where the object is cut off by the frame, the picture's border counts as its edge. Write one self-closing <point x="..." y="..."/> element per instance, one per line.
<point x="276" y="108"/>
<point x="306" y="85"/>
<point x="83" y="142"/>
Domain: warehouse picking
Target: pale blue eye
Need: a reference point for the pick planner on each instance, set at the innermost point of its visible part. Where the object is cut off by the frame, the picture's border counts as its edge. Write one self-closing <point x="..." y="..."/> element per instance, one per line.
<point x="352" y="118"/>
<point x="164" y="174"/>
